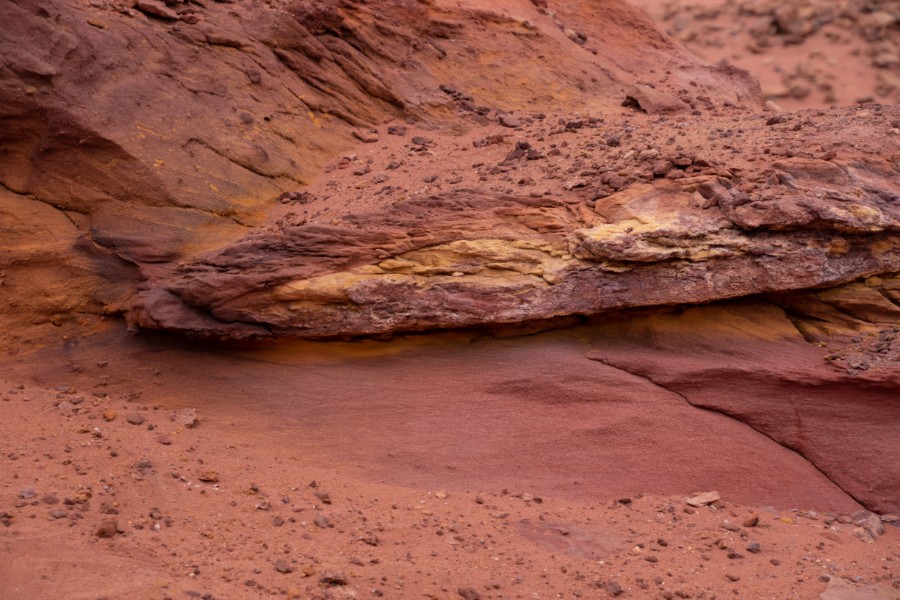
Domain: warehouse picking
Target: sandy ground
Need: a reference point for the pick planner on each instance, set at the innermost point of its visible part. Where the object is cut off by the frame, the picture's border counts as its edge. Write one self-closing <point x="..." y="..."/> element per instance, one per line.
<point x="806" y="53"/>
<point x="120" y="478"/>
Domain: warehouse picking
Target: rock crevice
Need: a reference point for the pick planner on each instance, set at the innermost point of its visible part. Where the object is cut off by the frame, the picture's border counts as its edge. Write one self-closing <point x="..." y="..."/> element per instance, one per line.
<point x="674" y="392"/>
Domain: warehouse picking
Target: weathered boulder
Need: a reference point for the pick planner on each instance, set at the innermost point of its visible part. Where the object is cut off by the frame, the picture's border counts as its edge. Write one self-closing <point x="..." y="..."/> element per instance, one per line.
<point x="467" y="258"/>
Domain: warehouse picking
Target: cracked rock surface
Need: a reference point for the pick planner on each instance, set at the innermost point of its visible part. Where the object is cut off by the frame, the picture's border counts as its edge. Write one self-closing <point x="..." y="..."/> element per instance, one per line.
<point x="751" y="362"/>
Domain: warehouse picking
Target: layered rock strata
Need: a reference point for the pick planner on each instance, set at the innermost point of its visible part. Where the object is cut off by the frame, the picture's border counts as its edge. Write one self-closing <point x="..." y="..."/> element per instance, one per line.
<point x="467" y="257"/>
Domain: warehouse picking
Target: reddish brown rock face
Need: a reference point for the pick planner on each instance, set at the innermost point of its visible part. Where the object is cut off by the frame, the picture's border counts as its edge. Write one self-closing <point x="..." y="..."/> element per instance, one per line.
<point x="160" y="138"/>
<point x="633" y="277"/>
<point x="464" y="257"/>
<point x="750" y="363"/>
<point x="157" y="187"/>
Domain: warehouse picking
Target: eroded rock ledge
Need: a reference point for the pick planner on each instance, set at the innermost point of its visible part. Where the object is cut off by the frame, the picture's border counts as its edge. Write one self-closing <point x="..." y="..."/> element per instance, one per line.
<point x="153" y="131"/>
<point x="464" y="257"/>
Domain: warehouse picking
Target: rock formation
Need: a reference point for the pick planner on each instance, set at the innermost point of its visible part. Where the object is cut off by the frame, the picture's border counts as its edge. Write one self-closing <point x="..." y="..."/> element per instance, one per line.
<point x="652" y="300"/>
<point x="463" y="257"/>
<point x="155" y="132"/>
<point x="240" y="170"/>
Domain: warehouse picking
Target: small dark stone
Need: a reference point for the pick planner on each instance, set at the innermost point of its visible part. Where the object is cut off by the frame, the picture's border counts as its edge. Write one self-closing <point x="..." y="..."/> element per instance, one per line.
<point x="283" y="566"/>
<point x="509" y="121"/>
<point x="516" y="153"/>
<point x="135" y="418"/>
<point x="469" y="593"/>
<point x="321" y="521"/>
<point x="209" y="477"/>
<point x="333" y="578"/>
<point x="107" y="529"/>
<point x="729" y="526"/>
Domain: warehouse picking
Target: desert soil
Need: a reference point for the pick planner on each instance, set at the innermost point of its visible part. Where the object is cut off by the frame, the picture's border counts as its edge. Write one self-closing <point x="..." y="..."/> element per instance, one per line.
<point x="805" y="53"/>
<point x="524" y="464"/>
<point x="402" y="469"/>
